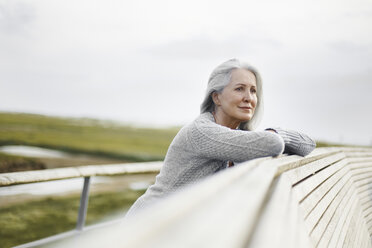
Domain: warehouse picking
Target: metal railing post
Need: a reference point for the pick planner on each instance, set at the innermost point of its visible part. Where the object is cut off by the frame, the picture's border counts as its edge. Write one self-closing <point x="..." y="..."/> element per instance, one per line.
<point x="83" y="204"/>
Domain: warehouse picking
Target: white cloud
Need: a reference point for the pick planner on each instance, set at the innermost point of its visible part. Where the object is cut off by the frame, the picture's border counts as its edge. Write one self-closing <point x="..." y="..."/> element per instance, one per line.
<point x="148" y="61"/>
<point x="15" y="17"/>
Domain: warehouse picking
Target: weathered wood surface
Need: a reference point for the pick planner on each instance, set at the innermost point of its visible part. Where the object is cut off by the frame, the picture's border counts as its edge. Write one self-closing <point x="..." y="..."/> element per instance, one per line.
<point x="7" y="179"/>
<point x="321" y="200"/>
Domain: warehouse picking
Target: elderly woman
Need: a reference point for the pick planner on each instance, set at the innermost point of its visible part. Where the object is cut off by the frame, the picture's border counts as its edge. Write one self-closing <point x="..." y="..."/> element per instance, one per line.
<point x="223" y="133"/>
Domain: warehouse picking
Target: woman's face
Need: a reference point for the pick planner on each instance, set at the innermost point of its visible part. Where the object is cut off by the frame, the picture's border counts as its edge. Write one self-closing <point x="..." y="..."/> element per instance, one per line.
<point x="237" y="101"/>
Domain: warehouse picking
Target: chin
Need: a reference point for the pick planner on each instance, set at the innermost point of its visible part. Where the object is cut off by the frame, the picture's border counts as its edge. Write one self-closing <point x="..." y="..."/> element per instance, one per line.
<point x="245" y="118"/>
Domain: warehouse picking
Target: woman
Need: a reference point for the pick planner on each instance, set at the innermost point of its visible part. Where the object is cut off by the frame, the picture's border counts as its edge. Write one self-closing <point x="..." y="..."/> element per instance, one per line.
<point x="223" y="133"/>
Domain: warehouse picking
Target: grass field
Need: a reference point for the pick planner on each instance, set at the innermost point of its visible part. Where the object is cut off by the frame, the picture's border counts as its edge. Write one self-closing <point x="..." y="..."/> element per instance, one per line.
<point x="86" y="136"/>
<point x="22" y="223"/>
<point x="106" y="142"/>
<point x="10" y="163"/>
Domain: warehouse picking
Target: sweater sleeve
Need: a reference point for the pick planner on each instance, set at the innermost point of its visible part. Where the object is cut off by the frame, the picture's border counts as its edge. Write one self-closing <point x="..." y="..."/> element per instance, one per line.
<point x="218" y="142"/>
<point x="296" y="142"/>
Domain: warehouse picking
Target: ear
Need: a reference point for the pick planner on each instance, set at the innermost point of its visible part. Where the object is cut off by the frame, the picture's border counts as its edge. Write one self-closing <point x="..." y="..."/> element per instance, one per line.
<point x="215" y="98"/>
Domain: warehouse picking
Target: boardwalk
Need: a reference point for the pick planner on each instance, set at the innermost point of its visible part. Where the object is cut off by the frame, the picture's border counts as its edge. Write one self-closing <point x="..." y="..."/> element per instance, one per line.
<point x="322" y="200"/>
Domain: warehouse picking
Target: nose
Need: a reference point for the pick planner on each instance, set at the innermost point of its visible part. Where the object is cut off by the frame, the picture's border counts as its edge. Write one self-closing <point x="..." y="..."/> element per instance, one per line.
<point x="248" y="96"/>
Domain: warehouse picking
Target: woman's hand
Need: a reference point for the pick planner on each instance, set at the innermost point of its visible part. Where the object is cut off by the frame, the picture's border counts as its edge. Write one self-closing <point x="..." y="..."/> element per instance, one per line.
<point x="295" y="142"/>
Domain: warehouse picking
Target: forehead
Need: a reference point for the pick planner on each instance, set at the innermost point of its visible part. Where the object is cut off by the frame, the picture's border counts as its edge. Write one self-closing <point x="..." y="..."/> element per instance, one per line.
<point x="242" y="76"/>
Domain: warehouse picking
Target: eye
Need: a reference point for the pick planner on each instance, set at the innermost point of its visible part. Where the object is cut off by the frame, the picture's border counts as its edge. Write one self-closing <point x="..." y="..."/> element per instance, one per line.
<point x="239" y="88"/>
<point x="253" y="90"/>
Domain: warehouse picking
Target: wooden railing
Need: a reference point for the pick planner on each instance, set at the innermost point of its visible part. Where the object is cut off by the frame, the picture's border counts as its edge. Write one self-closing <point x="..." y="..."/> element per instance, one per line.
<point x="321" y="200"/>
<point x="14" y="178"/>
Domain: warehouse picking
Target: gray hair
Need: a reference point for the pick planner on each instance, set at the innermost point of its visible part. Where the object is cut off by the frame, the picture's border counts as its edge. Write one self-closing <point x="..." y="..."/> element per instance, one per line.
<point x="220" y="77"/>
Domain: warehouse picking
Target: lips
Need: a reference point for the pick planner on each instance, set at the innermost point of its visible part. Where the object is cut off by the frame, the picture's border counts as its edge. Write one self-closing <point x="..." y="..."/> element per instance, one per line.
<point x="246" y="108"/>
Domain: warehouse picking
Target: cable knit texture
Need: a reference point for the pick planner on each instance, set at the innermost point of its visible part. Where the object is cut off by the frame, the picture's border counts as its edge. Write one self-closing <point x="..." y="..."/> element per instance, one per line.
<point x="203" y="148"/>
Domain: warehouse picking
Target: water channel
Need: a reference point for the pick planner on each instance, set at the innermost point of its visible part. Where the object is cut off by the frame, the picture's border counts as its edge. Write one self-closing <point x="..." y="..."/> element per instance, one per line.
<point x="136" y="182"/>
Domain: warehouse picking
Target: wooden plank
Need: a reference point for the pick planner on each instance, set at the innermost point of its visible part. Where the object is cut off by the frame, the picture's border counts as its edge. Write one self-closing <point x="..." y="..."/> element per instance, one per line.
<point x="361" y="170"/>
<point x="366" y="240"/>
<point x="317" y="231"/>
<point x="358" y="160"/>
<point x="298" y="161"/>
<point x="13" y="178"/>
<point x="309" y="203"/>
<point x="361" y="176"/>
<point x="281" y="210"/>
<point x="300" y="173"/>
<point x="364" y="233"/>
<point x="328" y="203"/>
<point x="357" y="168"/>
<point x="365" y="198"/>
<point x="363" y="186"/>
<point x="358" y="154"/>
<point x="202" y="211"/>
<point x="365" y="203"/>
<point x="368" y="218"/>
<point x="303" y="189"/>
<point x="332" y="238"/>
<point x="355" y="230"/>
<point x="361" y="230"/>
<point x="369" y="226"/>
<point x="346" y="227"/>
<point x="367" y="212"/>
<point x="367" y="243"/>
<point x="362" y="182"/>
<point x="354" y="149"/>
<point x="364" y="194"/>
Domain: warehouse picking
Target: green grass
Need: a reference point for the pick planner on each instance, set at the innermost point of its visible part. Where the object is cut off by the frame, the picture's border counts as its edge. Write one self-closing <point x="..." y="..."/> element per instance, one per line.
<point x="329" y="144"/>
<point x="10" y="163"/>
<point x="87" y="136"/>
<point x="22" y="223"/>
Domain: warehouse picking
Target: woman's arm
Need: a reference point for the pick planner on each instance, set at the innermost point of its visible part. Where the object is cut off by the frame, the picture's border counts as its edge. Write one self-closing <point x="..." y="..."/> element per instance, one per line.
<point x="295" y="142"/>
<point x="218" y="142"/>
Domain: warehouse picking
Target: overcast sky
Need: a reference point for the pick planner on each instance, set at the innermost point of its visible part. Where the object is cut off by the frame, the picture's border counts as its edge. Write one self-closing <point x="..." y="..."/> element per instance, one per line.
<point x="148" y="62"/>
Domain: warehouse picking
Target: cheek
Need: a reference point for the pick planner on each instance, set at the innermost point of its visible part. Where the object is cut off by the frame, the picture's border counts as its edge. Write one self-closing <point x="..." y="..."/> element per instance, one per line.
<point x="255" y="101"/>
<point x="232" y="98"/>
<point x="238" y="97"/>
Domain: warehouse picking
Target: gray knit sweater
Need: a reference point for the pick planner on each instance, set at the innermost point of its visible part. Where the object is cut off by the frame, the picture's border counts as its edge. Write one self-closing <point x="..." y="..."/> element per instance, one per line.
<point x="203" y="147"/>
